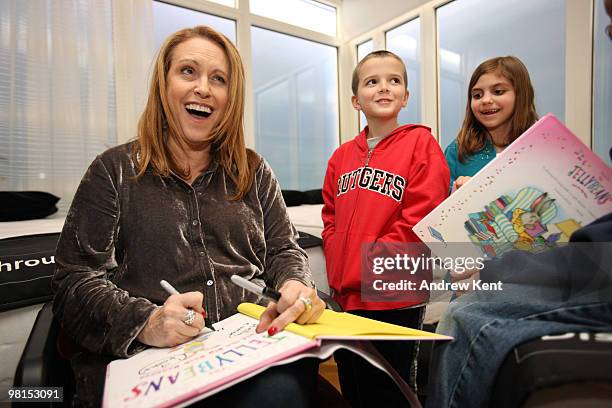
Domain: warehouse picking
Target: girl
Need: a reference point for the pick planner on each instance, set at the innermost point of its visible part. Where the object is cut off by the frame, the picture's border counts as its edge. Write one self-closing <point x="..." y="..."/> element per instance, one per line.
<point x="500" y="108"/>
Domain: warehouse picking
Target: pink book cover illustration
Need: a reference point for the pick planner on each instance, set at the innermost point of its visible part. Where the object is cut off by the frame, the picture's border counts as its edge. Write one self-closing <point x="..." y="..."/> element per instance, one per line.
<point x="533" y="196"/>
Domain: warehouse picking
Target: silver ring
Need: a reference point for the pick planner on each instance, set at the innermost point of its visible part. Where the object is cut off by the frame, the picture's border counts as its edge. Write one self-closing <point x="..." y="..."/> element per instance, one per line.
<point x="307" y="303"/>
<point x="190" y="317"/>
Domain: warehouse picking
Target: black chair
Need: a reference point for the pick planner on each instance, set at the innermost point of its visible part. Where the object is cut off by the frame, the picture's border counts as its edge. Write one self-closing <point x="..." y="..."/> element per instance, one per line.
<point x="41" y="364"/>
<point x="571" y="369"/>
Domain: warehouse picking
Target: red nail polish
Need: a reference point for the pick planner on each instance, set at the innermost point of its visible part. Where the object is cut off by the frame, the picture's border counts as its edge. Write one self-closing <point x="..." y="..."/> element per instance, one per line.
<point x="272" y="331"/>
<point x="204" y="314"/>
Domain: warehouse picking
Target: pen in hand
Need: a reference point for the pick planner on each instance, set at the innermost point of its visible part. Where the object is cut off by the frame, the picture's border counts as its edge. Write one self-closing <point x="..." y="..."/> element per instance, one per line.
<point x="264" y="291"/>
<point x="168" y="288"/>
<point x="172" y="291"/>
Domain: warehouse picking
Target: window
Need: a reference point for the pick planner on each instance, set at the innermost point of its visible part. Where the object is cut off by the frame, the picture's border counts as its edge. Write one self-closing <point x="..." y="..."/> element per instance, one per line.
<point x="168" y="19"/>
<point x="64" y="53"/>
<point x="296" y="106"/>
<point x="57" y="93"/>
<point x="471" y="31"/>
<point x="405" y="42"/>
<point x="602" y="98"/>
<point x="303" y="13"/>
<point x="364" y="49"/>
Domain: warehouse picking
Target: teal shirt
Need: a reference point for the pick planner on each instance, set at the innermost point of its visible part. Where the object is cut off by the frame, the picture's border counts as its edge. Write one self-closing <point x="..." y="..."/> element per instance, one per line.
<point x="473" y="163"/>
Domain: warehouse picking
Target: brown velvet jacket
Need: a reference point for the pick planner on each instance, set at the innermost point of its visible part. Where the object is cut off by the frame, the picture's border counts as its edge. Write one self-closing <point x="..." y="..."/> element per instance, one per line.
<point x="122" y="236"/>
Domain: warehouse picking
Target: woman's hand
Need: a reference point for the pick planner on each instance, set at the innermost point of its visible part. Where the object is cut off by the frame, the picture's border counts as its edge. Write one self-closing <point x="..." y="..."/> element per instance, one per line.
<point x="291" y="308"/>
<point x="166" y="326"/>
<point x="461" y="180"/>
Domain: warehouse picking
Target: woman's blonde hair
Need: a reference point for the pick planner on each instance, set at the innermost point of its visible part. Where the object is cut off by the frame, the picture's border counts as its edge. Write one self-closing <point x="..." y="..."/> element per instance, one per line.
<point x="473" y="134"/>
<point x="157" y="123"/>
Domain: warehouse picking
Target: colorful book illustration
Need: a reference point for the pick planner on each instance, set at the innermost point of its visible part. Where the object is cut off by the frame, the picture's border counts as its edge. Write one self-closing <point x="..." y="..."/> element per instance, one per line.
<point x="216" y="360"/>
<point x="533" y="196"/>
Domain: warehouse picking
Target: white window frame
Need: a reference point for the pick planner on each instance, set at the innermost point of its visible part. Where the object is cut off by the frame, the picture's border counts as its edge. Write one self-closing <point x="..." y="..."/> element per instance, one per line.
<point x="244" y="20"/>
<point x="578" y="67"/>
<point x="578" y="64"/>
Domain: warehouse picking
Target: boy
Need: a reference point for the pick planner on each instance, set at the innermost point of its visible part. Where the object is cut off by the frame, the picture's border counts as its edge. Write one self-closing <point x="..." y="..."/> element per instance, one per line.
<point x="376" y="188"/>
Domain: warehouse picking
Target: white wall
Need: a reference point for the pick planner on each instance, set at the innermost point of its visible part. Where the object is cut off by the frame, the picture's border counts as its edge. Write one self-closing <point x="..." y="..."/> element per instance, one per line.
<point x="360" y="16"/>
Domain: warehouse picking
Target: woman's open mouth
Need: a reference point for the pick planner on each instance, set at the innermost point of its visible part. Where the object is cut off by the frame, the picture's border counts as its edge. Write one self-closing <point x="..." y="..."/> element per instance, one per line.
<point x="200" y="111"/>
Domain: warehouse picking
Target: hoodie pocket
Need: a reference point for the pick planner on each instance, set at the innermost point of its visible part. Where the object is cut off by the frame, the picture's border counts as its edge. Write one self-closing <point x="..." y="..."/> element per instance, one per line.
<point x="349" y="268"/>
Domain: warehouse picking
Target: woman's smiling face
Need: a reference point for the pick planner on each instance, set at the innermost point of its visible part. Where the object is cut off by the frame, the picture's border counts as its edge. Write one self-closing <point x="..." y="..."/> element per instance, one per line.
<point x="197" y="87"/>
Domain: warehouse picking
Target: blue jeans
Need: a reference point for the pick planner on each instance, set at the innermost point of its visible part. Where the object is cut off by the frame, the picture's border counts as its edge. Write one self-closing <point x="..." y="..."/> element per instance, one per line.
<point x="486" y="328"/>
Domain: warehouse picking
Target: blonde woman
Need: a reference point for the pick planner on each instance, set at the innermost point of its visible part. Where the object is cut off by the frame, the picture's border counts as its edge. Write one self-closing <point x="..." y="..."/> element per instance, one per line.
<point x="188" y="203"/>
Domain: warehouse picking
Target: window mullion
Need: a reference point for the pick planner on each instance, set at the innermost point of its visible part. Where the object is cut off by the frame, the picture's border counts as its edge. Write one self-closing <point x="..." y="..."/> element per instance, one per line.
<point x="243" y="43"/>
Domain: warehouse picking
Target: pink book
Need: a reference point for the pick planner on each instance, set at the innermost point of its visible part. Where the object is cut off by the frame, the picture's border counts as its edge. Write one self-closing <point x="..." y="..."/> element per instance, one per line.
<point x="216" y="360"/>
<point x="532" y="196"/>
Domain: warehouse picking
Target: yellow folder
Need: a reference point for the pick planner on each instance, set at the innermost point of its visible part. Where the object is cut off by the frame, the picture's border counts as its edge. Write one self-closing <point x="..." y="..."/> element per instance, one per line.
<point x="335" y="325"/>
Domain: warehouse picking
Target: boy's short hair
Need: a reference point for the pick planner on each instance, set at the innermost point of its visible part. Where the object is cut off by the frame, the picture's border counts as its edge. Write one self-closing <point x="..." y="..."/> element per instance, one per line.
<point x="375" y="54"/>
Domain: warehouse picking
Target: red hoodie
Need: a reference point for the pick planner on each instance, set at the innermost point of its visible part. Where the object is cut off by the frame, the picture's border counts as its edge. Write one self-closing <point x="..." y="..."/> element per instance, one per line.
<point x="377" y="198"/>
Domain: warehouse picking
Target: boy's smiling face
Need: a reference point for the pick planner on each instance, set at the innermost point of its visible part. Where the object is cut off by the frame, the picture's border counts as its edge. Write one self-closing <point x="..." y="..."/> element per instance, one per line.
<point x="381" y="93"/>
